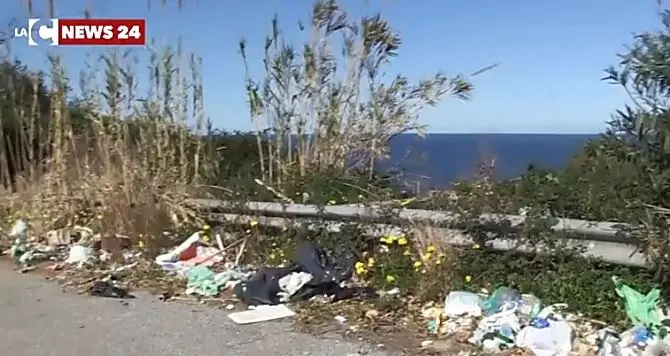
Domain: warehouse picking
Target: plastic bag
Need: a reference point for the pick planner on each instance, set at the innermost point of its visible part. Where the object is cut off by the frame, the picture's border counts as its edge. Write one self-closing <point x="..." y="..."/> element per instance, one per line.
<point x="641" y="309"/>
<point x="496" y="302"/>
<point x="201" y="281"/>
<point x="459" y="303"/>
<point x="497" y="332"/>
<point x="547" y="335"/>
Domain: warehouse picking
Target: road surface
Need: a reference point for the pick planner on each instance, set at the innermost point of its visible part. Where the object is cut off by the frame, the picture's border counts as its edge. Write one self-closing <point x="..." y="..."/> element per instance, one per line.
<point x="37" y="318"/>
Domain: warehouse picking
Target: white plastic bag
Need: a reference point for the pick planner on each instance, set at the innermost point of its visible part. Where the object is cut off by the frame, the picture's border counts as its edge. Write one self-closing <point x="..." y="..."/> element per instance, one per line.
<point x="503" y="326"/>
<point x="462" y="303"/>
<point x="553" y="340"/>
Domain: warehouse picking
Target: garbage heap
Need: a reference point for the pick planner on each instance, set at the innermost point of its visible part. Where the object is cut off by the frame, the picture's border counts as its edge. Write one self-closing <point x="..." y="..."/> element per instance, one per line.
<point x="507" y="319"/>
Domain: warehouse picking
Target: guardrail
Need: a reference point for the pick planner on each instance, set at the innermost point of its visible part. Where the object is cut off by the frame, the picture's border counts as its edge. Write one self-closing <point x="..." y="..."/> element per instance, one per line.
<point x="605" y="240"/>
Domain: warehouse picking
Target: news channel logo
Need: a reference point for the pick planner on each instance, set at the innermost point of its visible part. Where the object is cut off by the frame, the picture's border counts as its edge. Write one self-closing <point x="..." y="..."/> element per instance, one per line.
<point x="44" y="32"/>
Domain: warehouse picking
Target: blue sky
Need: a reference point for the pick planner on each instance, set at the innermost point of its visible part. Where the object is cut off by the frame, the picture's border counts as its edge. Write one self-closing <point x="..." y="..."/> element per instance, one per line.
<point x="551" y="53"/>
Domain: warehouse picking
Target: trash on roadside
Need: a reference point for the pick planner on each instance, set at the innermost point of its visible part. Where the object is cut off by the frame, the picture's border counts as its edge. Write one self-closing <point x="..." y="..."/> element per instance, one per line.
<point x="340" y="319"/>
<point x="497" y="332"/>
<point x="202" y="281"/>
<point x="499" y="299"/>
<point x="460" y="303"/>
<point x="261" y="314"/>
<point x="109" y="288"/>
<point x="436" y="320"/>
<point x="58" y="237"/>
<point x="328" y="276"/>
<point x="66" y="236"/>
<point x="292" y="283"/>
<point x="548" y="334"/>
<point x="608" y="343"/>
<point x="642" y="310"/>
<point x="646" y="337"/>
<point x="80" y="255"/>
<point x="20" y="247"/>
<point x="189" y="253"/>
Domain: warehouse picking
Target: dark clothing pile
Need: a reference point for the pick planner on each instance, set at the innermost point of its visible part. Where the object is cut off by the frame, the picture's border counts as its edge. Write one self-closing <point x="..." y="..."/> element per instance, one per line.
<point x="328" y="275"/>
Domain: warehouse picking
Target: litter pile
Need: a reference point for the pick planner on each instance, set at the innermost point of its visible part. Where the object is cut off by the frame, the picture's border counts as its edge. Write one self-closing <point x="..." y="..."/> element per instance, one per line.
<point x="495" y="323"/>
<point x="507" y="320"/>
<point x="314" y="273"/>
<point x="77" y="246"/>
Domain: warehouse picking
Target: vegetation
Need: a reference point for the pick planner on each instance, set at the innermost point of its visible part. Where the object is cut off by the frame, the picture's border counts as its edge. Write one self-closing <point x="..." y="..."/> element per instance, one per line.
<point x="111" y="157"/>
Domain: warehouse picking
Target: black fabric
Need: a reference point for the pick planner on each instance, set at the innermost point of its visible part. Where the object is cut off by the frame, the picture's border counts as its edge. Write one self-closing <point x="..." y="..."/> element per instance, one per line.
<point x="328" y="274"/>
<point x="263" y="287"/>
<point x="314" y="260"/>
<point x="108" y="289"/>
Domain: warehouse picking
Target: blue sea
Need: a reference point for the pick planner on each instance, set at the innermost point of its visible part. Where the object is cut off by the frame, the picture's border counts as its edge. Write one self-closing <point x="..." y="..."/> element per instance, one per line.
<point x="439" y="159"/>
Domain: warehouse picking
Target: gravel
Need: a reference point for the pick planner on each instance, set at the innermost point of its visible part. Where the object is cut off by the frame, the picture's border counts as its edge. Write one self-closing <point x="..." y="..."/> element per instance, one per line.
<point x="37" y="318"/>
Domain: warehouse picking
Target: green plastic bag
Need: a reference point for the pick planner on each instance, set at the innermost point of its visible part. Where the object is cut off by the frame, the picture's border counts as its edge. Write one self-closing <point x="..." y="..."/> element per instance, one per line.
<point x="201" y="281"/>
<point x="641" y="309"/>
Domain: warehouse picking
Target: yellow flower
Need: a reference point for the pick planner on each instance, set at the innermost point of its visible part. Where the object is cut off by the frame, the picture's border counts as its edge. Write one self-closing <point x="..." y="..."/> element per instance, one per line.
<point x="272" y="256"/>
<point x="253" y="223"/>
<point x="438" y="262"/>
<point x="360" y="267"/>
<point x="99" y="216"/>
<point x="206" y="238"/>
<point x="427" y="256"/>
<point x="332" y="202"/>
<point x="407" y="253"/>
<point x="417" y="264"/>
<point x="468" y="279"/>
<point x="476" y="246"/>
<point x="390" y="278"/>
<point x="389" y="240"/>
<point x="371" y="262"/>
<point x="205" y="227"/>
<point x="141" y="244"/>
<point x="430" y="248"/>
<point x="402" y="241"/>
<point x="423" y="271"/>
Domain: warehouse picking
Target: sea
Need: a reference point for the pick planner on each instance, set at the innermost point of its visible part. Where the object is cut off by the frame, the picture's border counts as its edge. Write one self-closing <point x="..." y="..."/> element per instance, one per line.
<point x="437" y="160"/>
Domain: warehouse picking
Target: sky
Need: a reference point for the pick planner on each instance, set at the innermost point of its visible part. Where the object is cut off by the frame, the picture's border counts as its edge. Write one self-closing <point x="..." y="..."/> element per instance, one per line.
<point x="550" y="54"/>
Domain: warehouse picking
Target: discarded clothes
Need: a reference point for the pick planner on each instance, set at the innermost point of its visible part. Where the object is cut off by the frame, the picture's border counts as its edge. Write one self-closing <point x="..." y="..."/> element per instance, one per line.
<point x="327" y="276"/>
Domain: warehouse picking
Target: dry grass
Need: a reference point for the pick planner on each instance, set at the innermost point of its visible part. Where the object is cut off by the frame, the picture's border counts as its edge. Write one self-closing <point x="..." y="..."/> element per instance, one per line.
<point x="121" y="161"/>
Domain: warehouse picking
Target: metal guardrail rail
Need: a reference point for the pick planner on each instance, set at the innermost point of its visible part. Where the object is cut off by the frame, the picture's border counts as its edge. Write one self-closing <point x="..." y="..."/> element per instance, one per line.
<point x="603" y="240"/>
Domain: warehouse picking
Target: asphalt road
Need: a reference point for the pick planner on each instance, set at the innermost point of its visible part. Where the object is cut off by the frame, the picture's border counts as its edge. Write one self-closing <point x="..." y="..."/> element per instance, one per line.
<point x="37" y="318"/>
